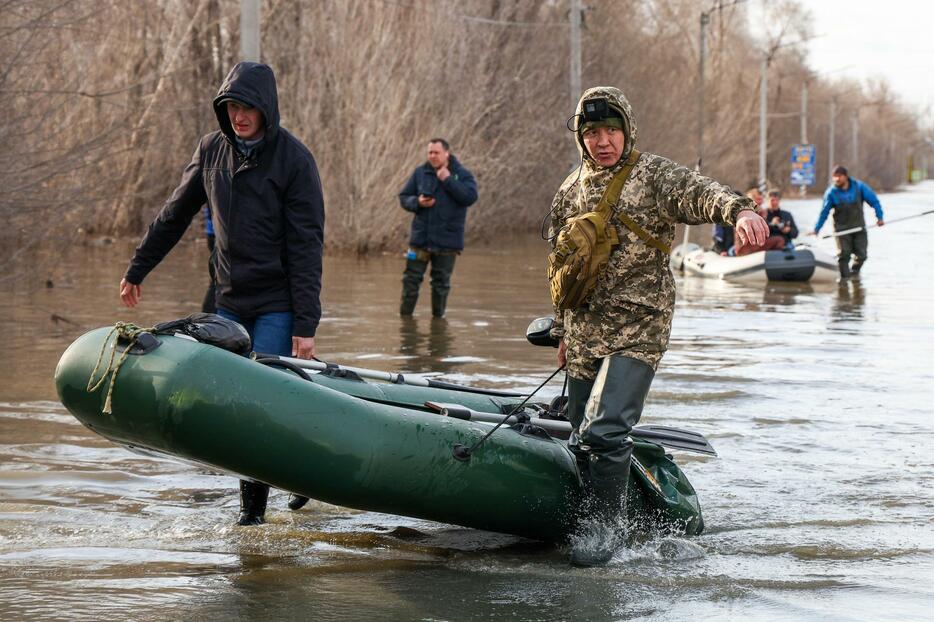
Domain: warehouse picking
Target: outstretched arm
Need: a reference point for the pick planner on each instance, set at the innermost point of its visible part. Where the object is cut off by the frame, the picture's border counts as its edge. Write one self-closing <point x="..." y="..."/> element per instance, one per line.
<point x="824" y="212"/>
<point x="686" y="196"/>
<point x="166" y="230"/>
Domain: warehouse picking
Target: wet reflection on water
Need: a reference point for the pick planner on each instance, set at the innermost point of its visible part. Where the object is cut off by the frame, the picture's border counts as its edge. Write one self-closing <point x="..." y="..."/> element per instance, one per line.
<point x="426" y="348"/>
<point x="816" y="397"/>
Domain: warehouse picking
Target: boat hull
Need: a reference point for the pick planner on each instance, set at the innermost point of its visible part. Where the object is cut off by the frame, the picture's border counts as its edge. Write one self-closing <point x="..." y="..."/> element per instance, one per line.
<point x="204" y="405"/>
<point x="801" y="264"/>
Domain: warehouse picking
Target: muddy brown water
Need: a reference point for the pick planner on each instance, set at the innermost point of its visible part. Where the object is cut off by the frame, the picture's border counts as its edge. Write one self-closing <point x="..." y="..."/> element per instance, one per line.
<point x="819" y="400"/>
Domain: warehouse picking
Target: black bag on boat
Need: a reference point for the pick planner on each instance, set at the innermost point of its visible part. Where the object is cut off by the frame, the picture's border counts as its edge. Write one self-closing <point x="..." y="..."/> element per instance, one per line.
<point x="210" y="329"/>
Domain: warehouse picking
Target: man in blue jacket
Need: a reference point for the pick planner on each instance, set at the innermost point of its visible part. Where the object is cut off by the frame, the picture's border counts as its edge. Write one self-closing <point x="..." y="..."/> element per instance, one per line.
<point x="845" y="197"/>
<point x="262" y="188"/>
<point x="438" y="193"/>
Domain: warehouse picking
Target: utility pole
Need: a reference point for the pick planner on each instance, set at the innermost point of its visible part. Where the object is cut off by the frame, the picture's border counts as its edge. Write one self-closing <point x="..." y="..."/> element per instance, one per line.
<point x="803" y="189"/>
<point x="575" y="62"/>
<point x="704" y="20"/>
<point x="576" y="9"/>
<point x="804" y="114"/>
<point x="830" y="148"/>
<point x="855" y="140"/>
<point x="701" y="69"/>
<point x="764" y="112"/>
<point x="763" y="127"/>
<point x="249" y="30"/>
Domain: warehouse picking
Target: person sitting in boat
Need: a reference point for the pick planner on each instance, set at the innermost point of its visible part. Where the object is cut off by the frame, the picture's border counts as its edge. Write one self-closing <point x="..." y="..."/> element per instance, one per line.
<point x="724" y="238"/>
<point x="758" y="198"/>
<point x="781" y="223"/>
<point x="612" y="341"/>
<point x="262" y="188"/>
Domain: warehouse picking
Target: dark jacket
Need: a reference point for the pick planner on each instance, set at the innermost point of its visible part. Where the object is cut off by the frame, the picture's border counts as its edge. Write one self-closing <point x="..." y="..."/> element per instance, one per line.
<point x="440" y="227"/>
<point x="267" y="210"/>
<point x="723" y="236"/>
<point x="786" y="219"/>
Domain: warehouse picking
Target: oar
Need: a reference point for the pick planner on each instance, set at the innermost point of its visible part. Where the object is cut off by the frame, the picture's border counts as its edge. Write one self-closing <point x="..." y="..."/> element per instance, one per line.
<point x="665" y="436"/>
<point x="386" y="376"/>
<point x="887" y="223"/>
<point x="662" y="435"/>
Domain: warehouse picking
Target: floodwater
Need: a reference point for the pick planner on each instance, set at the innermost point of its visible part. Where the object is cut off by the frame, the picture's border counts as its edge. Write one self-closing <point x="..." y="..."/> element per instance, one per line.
<point x="819" y="506"/>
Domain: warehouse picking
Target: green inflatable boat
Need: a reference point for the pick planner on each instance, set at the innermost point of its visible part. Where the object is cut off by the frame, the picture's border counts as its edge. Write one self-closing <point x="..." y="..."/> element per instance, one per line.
<point x="340" y="438"/>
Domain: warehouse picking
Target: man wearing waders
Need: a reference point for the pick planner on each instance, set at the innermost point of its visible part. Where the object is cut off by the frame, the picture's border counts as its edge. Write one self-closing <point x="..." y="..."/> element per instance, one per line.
<point x="262" y="188"/>
<point x="438" y="194"/>
<point x="612" y="343"/>
<point x="845" y="197"/>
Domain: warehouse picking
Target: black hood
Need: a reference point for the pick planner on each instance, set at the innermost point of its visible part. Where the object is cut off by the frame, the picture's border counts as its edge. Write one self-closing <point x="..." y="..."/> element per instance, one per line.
<point x="253" y="84"/>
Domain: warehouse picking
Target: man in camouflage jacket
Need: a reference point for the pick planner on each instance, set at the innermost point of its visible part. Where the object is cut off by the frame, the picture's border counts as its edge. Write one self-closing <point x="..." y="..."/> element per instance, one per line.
<point x="613" y="343"/>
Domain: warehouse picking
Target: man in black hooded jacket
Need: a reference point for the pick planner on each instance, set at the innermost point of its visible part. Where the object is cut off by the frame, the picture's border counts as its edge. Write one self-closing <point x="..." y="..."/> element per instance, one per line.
<point x="262" y="188"/>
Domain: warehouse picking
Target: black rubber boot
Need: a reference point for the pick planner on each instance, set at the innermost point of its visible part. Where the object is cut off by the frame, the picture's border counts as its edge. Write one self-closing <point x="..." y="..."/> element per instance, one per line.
<point x="613" y="408"/>
<point x="411" y="282"/>
<point x="297" y="502"/>
<point x="438" y="303"/>
<point x="844" y="266"/>
<point x="442" y="267"/>
<point x="253" y="496"/>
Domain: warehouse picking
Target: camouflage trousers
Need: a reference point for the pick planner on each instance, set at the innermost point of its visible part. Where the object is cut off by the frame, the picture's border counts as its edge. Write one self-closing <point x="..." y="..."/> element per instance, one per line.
<point x="442" y="267"/>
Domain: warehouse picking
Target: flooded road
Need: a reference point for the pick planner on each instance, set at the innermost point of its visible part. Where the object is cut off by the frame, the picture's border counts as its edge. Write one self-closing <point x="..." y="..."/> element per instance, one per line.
<point x="818" y="399"/>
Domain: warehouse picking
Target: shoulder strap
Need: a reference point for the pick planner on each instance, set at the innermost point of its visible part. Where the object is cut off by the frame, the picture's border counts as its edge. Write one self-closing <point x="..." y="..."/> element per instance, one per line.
<point x="643" y="235"/>
<point x="611" y="196"/>
<point x="612" y="192"/>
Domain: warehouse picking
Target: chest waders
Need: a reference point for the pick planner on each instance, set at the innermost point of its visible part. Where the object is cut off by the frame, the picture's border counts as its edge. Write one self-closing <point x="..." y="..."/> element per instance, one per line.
<point x="849" y="216"/>
<point x="442" y="267"/>
<point x="603" y="413"/>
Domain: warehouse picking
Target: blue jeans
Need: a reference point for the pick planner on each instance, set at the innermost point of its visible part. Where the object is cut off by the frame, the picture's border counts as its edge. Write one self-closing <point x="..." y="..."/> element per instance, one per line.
<point x="271" y="333"/>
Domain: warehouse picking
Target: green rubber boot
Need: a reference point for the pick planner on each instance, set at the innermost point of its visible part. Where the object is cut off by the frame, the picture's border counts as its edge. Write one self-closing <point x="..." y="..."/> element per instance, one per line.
<point x="601" y="529"/>
<point x="614" y="406"/>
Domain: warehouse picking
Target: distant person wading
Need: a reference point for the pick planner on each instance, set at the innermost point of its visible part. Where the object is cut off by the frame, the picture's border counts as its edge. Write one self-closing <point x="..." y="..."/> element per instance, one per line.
<point x="846" y="197"/>
<point x="438" y="193"/>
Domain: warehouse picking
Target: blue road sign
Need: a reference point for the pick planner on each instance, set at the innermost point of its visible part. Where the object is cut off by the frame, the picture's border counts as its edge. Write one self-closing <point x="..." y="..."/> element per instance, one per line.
<point x="802" y="165"/>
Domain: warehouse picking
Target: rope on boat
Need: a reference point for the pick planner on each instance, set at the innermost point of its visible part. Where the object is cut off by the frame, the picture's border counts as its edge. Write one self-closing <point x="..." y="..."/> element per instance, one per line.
<point x="127" y="331"/>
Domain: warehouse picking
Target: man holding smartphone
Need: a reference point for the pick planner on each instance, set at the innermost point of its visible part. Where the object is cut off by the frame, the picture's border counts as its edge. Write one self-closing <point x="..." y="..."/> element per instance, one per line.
<point x="438" y="193"/>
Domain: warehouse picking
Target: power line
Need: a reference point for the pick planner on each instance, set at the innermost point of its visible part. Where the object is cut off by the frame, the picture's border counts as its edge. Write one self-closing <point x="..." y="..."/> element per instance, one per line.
<point x="475" y="18"/>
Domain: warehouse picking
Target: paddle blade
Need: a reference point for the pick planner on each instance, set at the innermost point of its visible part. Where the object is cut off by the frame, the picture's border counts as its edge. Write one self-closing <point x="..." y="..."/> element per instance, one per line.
<point x="674" y="438"/>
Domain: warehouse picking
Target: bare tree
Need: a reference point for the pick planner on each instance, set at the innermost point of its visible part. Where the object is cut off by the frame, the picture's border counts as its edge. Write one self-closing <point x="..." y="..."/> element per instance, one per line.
<point x="105" y="100"/>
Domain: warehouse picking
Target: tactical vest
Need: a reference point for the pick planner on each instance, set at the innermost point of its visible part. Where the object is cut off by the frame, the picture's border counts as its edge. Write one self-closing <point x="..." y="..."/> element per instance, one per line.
<point x="849" y="215"/>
